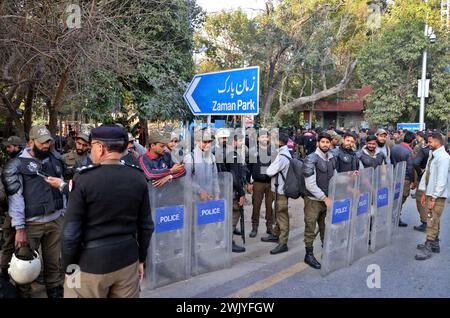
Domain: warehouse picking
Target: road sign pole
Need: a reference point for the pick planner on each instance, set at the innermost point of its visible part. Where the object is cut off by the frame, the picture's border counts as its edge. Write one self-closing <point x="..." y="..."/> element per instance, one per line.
<point x="422" y="91"/>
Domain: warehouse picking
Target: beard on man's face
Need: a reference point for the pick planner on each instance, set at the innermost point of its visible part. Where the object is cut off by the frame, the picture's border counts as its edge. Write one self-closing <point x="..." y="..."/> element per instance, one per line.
<point x="381" y="143"/>
<point x="324" y="149"/>
<point x="81" y="152"/>
<point x="41" y="153"/>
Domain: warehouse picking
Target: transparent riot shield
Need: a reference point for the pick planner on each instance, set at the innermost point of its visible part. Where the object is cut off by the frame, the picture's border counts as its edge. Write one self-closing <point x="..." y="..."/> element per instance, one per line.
<point x="342" y="192"/>
<point x="168" y="258"/>
<point x="360" y="220"/>
<point x="399" y="179"/>
<point x="211" y="244"/>
<point x="382" y="208"/>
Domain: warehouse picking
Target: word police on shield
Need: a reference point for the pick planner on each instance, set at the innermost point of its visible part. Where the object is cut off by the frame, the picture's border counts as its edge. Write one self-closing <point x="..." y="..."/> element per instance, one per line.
<point x="210" y="212"/>
<point x="231" y="92"/>
<point x="169" y="218"/>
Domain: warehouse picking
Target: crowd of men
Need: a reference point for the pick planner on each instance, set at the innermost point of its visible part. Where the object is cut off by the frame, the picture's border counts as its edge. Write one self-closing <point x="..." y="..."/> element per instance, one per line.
<point x="57" y="203"/>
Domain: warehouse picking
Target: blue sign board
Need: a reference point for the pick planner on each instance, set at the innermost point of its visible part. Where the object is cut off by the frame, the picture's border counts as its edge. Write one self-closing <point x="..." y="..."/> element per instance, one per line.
<point x="231" y="92"/>
<point x="382" y="197"/>
<point x="169" y="218"/>
<point x="363" y="204"/>
<point x="210" y="212"/>
<point x="397" y="191"/>
<point x="409" y="126"/>
<point x="341" y="210"/>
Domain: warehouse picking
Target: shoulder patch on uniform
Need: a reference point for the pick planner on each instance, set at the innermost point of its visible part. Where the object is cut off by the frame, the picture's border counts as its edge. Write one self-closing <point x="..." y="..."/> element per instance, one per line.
<point x="87" y="168"/>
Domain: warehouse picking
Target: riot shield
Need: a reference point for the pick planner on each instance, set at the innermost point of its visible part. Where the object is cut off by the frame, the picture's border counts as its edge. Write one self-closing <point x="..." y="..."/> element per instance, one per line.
<point x="380" y="235"/>
<point x="399" y="180"/>
<point x="360" y="224"/>
<point x="168" y="258"/>
<point x="211" y="244"/>
<point x="342" y="192"/>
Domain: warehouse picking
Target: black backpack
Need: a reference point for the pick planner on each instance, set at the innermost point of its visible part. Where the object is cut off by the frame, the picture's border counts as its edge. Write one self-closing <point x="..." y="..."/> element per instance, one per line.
<point x="294" y="182"/>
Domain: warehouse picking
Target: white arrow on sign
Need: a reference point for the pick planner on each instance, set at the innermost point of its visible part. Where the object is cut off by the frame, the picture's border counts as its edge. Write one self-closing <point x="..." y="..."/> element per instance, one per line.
<point x="188" y="95"/>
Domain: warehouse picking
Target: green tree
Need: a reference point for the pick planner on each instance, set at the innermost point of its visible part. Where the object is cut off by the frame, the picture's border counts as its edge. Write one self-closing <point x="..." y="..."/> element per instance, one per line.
<point x="391" y="63"/>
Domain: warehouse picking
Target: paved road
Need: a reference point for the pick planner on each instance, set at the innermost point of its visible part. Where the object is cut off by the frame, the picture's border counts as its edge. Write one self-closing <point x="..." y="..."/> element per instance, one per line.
<point x="256" y="273"/>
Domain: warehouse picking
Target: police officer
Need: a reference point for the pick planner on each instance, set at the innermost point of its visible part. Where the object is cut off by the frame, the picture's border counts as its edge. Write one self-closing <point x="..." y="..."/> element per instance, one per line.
<point x="278" y="170"/>
<point x="404" y="152"/>
<point x="435" y="191"/>
<point x="14" y="146"/>
<point x="234" y="164"/>
<point x="420" y="164"/>
<point x="346" y="157"/>
<point x="318" y="171"/>
<point x="369" y="155"/>
<point x="77" y="157"/>
<point x="260" y="183"/>
<point x="130" y="156"/>
<point x="35" y="207"/>
<point x="108" y="223"/>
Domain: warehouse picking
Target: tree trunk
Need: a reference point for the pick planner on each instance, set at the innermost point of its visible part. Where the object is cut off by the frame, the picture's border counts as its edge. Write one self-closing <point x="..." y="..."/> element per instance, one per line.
<point x="56" y="104"/>
<point x="13" y="114"/>
<point x="28" y="114"/>
<point x="297" y="103"/>
<point x="143" y="123"/>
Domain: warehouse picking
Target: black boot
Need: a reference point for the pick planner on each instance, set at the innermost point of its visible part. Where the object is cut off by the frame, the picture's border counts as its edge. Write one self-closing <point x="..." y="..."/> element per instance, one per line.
<point x="281" y="248"/>
<point x="310" y="259"/>
<point x="254" y="231"/>
<point x="237" y="249"/>
<point x="237" y="232"/>
<point x="55" y="292"/>
<point x="270" y="238"/>
<point x="422" y="227"/>
<point x="425" y="252"/>
<point x="401" y="224"/>
<point x="435" y="248"/>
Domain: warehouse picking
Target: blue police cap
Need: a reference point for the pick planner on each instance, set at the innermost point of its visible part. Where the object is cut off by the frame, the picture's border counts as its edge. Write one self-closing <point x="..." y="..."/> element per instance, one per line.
<point x="109" y="133"/>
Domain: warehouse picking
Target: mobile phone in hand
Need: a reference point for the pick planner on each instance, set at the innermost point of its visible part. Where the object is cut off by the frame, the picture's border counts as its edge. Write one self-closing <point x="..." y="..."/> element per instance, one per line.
<point x="42" y="174"/>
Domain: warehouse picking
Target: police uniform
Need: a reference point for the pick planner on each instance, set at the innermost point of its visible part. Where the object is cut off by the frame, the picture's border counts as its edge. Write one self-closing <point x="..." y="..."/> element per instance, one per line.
<point x="108" y="226"/>
<point x="73" y="161"/>
<point x="38" y="208"/>
<point x="238" y="171"/>
<point x="318" y="171"/>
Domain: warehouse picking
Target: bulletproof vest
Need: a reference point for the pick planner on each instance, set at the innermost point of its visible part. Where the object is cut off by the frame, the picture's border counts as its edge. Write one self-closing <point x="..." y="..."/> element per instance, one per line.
<point x="40" y="198"/>
<point x="324" y="173"/>
<point x="346" y="161"/>
<point x="369" y="161"/>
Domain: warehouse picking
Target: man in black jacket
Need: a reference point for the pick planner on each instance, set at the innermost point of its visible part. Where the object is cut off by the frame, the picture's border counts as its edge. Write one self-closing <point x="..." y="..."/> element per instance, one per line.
<point x="420" y="164"/>
<point x="108" y="223"/>
<point x="234" y="164"/>
<point x="404" y="152"/>
<point x="260" y="186"/>
<point x="346" y="157"/>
